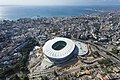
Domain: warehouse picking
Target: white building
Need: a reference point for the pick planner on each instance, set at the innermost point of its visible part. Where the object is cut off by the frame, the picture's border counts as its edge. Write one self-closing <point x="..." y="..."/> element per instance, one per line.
<point x="59" y="49"/>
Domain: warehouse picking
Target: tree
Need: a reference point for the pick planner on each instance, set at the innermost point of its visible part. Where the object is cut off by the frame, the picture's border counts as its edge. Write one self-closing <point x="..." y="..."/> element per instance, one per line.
<point x="44" y="78"/>
<point x="107" y="62"/>
<point x="14" y="77"/>
<point x="2" y="76"/>
<point x="97" y="53"/>
<point x="95" y="66"/>
<point x="115" y="51"/>
<point x="82" y="68"/>
<point x="24" y="77"/>
<point x="55" y="73"/>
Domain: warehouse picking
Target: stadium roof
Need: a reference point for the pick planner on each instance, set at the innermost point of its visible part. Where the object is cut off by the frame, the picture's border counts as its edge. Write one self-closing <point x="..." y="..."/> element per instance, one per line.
<point x="58" y="47"/>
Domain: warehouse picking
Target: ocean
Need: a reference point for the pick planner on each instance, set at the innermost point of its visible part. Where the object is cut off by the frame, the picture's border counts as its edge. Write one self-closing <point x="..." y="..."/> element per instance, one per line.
<point x="16" y="12"/>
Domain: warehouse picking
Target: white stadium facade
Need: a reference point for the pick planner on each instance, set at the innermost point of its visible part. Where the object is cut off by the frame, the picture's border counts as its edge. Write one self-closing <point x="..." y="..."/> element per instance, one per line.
<point x="59" y="49"/>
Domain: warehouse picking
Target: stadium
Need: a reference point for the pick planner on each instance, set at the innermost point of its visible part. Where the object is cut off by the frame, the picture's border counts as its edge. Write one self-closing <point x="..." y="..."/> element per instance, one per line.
<point x="59" y="49"/>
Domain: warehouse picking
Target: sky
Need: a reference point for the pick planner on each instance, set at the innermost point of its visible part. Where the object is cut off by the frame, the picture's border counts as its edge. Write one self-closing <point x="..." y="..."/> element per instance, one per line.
<point x="59" y="2"/>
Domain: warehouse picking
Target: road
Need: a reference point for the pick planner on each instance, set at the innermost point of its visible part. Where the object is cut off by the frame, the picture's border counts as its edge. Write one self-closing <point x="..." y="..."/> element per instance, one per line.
<point x="113" y="57"/>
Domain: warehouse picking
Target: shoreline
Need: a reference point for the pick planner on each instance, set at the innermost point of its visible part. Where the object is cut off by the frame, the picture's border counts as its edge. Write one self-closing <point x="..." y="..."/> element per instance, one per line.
<point x="50" y="12"/>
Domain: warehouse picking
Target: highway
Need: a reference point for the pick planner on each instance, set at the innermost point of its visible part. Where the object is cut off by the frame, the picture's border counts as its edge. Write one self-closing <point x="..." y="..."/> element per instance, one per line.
<point x="113" y="57"/>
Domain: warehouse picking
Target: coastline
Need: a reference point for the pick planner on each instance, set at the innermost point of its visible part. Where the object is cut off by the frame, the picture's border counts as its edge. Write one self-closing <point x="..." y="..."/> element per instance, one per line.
<point x="17" y="12"/>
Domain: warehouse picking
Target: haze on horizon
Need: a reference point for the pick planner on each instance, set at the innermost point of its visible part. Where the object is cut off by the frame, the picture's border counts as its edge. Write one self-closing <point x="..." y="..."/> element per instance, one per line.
<point x="59" y="2"/>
